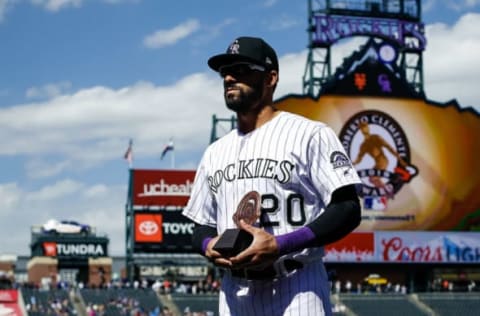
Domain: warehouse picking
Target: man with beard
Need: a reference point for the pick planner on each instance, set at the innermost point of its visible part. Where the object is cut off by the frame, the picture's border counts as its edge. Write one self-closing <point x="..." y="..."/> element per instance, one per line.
<point x="279" y="178"/>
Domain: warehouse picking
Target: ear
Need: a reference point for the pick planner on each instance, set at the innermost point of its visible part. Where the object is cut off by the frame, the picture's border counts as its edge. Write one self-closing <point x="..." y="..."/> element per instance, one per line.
<point x="272" y="78"/>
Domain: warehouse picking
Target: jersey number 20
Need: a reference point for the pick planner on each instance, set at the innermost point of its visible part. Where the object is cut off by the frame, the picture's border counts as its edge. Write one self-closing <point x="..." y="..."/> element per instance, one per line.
<point x="295" y="212"/>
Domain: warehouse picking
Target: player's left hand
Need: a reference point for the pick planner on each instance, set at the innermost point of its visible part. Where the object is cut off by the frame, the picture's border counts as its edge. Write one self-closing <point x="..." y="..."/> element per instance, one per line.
<point x="263" y="250"/>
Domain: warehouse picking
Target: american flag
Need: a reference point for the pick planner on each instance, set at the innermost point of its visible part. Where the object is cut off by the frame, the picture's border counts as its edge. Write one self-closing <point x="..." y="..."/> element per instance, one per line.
<point x="129" y="153"/>
<point x="167" y="148"/>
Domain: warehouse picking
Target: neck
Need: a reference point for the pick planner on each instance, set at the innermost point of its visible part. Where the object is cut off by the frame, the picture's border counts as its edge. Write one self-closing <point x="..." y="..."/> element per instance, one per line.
<point x="249" y="121"/>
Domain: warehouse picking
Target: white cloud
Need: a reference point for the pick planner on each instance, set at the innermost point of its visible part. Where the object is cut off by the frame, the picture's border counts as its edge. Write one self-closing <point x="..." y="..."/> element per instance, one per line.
<point x="121" y="1"/>
<point x="213" y="31"/>
<point x="48" y="91"/>
<point x="428" y="5"/>
<point x="58" y="190"/>
<point x="93" y="125"/>
<point x="451" y="66"/>
<point x="459" y="5"/>
<point x="37" y="169"/>
<point x="5" y="6"/>
<point x="97" y="190"/>
<point x="57" y="5"/>
<point x="269" y="3"/>
<point x="98" y="204"/>
<point x="162" y="38"/>
<point x="283" y="22"/>
<point x="10" y="195"/>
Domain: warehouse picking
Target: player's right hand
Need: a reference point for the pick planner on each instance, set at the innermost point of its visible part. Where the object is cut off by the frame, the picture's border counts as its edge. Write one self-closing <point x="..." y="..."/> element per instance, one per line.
<point x="262" y="252"/>
<point x="215" y="256"/>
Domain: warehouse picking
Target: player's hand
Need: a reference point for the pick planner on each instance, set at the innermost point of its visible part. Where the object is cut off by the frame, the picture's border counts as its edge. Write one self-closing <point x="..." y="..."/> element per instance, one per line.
<point x="215" y="256"/>
<point x="262" y="252"/>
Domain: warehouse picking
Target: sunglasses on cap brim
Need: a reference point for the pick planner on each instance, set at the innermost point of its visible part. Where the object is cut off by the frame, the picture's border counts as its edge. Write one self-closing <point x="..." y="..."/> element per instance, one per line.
<point x="239" y="68"/>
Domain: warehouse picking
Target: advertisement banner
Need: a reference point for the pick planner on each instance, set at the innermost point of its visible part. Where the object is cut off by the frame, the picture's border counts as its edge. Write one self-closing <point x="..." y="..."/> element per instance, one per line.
<point x="74" y="249"/>
<point x="161" y="187"/>
<point x="427" y="247"/>
<point x="9" y="303"/>
<point x="414" y="157"/>
<point x="355" y="247"/>
<point x="148" y="227"/>
<point x="166" y="231"/>
<point x="8" y="296"/>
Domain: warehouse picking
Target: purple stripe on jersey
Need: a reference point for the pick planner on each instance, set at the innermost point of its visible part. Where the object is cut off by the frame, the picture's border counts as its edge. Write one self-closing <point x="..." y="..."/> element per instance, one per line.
<point x="205" y="243"/>
<point x="295" y="240"/>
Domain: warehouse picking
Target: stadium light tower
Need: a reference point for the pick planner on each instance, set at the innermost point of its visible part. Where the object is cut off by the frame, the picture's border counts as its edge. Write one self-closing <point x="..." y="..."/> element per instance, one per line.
<point x="221" y="126"/>
<point x="394" y="21"/>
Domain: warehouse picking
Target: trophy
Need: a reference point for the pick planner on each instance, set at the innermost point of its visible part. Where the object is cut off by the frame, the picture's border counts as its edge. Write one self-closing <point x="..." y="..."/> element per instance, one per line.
<point x="235" y="240"/>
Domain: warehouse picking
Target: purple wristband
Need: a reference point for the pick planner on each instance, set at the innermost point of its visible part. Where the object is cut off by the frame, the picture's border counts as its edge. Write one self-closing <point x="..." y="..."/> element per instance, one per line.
<point x="205" y="244"/>
<point x="295" y="240"/>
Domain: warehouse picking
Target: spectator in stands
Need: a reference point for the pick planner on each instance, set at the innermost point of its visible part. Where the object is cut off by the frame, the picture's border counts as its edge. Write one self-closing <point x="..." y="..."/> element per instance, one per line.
<point x="181" y="288"/>
<point x="348" y="286"/>
<point x="450" y="286"/>
<point x="195" y="288"/>
<point x="216" y="286"/>
<point x="156" y="286"/>
<point x="92" y="310"/>
<point x="166" y="311"/>
<point x="445" y="285"/>
<point x="167" y="286"/>
<point x="397" y="288"/>
<point x="471" y="286"/>
<point x="338" y="286"/>
<point x="187" y="312"/>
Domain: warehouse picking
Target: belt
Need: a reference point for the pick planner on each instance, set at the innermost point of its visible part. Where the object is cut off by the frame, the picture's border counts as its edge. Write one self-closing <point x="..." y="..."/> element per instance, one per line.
<point x="268" y="273"/>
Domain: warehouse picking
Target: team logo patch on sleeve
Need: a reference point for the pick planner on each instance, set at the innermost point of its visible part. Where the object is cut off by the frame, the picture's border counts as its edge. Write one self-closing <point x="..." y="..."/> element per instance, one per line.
<point x="339" y="160"/>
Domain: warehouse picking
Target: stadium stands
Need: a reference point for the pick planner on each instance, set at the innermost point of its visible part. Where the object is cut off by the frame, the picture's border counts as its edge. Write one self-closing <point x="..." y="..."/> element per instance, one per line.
<point x="121" y="301"/>
<point x="452" y="303"/>
<point x="47" y="302"/>
<point x="145" y="301"/>
<point x="381" y="304"/>
<point x="206" y="303"/>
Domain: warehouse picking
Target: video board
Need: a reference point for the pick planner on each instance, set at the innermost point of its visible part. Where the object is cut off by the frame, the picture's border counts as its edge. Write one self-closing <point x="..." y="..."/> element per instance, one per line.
<point x="414" y="157"/>
<point x="157" y="199"/>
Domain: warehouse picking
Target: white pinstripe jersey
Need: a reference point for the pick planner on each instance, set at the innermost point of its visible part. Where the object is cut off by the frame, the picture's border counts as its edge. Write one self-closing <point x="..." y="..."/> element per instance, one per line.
<point x="293" y="162"/>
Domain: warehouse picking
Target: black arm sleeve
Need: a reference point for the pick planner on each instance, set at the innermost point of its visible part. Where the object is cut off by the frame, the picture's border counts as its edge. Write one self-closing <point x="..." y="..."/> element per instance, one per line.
<point x="200" y="232"/>
<point x="340" y="217"/>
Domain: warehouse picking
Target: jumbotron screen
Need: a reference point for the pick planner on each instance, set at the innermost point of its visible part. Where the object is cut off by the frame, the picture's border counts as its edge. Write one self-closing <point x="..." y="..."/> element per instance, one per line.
<point x="157" y="199"/>
<point x="160" y="232"/>
<point x="416" y="159"/>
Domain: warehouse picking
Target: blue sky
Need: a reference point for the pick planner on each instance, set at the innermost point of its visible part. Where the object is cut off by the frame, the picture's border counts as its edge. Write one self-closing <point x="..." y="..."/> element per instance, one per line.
<point x="82" y="77"/>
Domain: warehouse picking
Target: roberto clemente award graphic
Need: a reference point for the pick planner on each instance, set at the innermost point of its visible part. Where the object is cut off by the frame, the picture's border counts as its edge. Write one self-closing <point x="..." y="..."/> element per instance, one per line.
<point x="234" y="240"/>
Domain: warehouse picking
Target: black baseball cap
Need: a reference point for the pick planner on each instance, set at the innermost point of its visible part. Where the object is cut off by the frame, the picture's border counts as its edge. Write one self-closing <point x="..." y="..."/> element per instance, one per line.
<point x="246" y="49"/>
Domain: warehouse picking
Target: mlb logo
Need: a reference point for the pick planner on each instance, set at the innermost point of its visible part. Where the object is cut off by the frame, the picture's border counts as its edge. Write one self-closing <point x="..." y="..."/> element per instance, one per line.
<point x="375" y="203"/>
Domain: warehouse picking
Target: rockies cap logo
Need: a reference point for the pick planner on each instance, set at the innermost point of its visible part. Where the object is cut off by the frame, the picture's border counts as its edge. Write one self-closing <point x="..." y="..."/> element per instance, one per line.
<point x="234" y="48"/>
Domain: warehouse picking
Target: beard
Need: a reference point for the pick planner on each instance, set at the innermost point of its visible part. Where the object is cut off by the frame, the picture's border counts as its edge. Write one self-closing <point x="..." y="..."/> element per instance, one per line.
<point x="244" y="100"/>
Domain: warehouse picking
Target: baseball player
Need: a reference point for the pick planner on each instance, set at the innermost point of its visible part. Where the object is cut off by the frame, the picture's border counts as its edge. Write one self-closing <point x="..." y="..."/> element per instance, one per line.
<point x="306" y="184"/>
